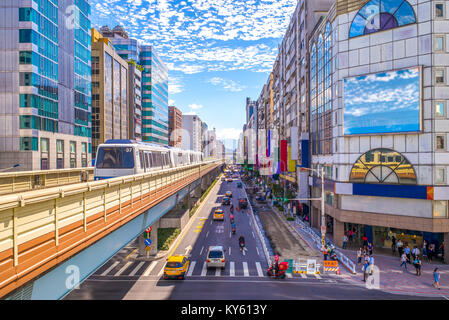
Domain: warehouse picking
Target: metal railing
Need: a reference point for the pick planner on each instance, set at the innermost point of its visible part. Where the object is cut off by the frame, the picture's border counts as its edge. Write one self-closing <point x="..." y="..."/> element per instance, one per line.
<point x="317" y="242"/>
<point x="57" y="222"/>
<point x="22" y="181"/>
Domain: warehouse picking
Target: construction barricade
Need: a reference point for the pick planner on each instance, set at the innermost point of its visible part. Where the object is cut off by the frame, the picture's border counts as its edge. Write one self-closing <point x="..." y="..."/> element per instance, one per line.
<point x="331" y="266"/>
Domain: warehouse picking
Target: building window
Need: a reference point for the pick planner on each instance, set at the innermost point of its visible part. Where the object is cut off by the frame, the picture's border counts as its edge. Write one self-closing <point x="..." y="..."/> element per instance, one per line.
<point x="83" y="154"/>
<point x="72" y="154"/>
<point x="380" y="15"/>
<point x="59" y="154"/>
<point x="28" y="144"/>
<point x="439" y="76"/>
<point x="383" y="166"/>
<point x="439" y="10"/>
<point x="440" y="209"/>
<point x="44" y="154"/>
<point x="439" y="108"/>
<point x="439" y="43"/>
<point x="440" y="143"/>
<point x="440" y="175"/>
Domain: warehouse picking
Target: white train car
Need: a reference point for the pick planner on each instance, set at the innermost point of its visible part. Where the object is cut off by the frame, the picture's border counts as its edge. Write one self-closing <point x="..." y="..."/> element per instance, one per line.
<point x="116" y="158"/>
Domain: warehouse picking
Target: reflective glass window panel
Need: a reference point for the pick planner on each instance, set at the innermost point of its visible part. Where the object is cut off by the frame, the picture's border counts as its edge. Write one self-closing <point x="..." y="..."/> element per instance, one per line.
<point x="439" y="10"/>
<point x="405" y="14"/>
<point x="439" y="43"/>
<point x="439" y="175"/>
<point x="439" y="108"/>
<point x="440" y="209"/>
<point x="115" y="158"/>
<point x="440" y="142"/>
<point x="439" y="76"/>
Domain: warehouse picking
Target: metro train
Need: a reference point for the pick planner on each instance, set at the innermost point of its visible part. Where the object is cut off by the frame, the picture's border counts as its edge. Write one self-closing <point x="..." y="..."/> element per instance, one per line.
<point x="116" y="158"/>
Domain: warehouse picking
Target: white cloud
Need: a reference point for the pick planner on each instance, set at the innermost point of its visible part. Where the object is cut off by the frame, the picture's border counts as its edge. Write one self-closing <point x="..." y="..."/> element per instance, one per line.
<point x="228" y="133"/>
<point x="228" y="85"/>
<point x="171" y="102"/>
<point x="191" y="113"/>
<point x="195" y="106"/>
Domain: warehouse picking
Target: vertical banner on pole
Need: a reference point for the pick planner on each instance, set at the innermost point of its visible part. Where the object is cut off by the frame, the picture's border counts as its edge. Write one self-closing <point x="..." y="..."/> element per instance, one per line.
<point x="294" y="143"/>
<point x="291" y="162"/>
<point x="284" y="155"/>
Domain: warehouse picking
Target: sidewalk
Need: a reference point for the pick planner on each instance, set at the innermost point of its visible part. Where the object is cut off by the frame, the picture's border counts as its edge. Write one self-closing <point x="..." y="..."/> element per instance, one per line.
<point x="392" y="278"/>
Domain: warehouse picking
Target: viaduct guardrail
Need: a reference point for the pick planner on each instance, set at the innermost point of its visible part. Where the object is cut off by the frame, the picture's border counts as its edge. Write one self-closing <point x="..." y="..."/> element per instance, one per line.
<point x="22" y="181"/>
<point x="40" y="229"/>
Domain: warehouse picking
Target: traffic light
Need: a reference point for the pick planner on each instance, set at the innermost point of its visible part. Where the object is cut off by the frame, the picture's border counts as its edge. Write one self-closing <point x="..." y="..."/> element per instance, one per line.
<point x="285" y="200"/>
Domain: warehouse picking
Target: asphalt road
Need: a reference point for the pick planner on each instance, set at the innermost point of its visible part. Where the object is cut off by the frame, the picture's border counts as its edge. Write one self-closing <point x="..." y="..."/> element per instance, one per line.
<point x="243" y="278"/>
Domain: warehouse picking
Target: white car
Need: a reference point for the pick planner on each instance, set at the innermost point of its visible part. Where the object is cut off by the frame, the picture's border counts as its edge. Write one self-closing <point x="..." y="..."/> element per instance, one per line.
<point x="216" y="257"/>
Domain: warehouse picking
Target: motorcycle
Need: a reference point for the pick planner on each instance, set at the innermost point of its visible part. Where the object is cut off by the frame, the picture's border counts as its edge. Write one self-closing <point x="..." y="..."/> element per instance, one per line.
<point x="242" y="245"/>
<point x="233" y="230"/>
<point x="280" y="274"/>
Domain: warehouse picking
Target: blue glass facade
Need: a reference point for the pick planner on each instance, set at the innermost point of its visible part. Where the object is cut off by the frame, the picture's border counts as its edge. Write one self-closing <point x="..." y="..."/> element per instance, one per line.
<point x="154" y="97"/>
<point x="83" y="91"/>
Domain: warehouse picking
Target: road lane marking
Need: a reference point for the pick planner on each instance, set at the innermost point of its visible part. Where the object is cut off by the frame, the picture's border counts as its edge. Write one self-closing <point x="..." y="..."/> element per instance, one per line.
<point x="110" y="268"/>
<point x="191" y="267"/>
<point x="137" y="268"/>
<point x="190" y="223"/>
<point x="161" y="272"/>
<point x="202" y="248"/>
<point x="318" y="276"/>
<point x="131" y="253"/>
<point x="217" y="272"/>
<point x="257" y="251"/>
<point x="230" y="234"/>
<point x="245" y="269"/>
<point x="123" y="268"/>
<point x="303" y="276"/>
<point x="204" y="270"/>
<point x="253" y="235"/>
<point x="232" y="269"/>
<point x="229" y="250"/>
<point x="207" y="234"/>
<point x="149" y="269"/>
<point x="259" y="269"/>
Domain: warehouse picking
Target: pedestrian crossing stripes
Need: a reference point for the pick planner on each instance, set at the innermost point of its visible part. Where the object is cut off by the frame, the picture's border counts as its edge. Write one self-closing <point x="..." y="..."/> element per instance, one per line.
<point x="196" y="269"/>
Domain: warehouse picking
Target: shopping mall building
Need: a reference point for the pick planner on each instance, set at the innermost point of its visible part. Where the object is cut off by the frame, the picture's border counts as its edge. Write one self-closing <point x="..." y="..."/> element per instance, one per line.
<point x="379" y="76"/>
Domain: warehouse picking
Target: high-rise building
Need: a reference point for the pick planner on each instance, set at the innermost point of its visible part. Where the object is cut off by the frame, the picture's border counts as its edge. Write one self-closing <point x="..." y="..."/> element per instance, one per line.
<point x="109" y="92"/>
<point x="45" y="72"/>
<point x="135" y="102"/>
<point x="191" y="133"/>
<point x="175" y="126"/>
<point x="154" y="97"/>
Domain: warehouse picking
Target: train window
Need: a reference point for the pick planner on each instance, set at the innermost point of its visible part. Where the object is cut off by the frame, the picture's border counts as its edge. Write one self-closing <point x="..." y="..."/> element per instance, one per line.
<point x="163" y="159"/>
<point x="142" y="160"/>
<point x="147" y="159"/>
<point x="115" y="158"/>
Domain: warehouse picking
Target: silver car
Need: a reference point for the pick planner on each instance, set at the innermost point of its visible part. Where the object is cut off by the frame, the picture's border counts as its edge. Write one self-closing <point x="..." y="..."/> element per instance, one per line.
<point x="215" y="257"/>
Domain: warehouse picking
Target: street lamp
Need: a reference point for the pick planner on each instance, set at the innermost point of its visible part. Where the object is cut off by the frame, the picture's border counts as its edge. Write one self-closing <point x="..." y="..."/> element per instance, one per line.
<point x="6" y="169"/>
<point x="323" y="223"/>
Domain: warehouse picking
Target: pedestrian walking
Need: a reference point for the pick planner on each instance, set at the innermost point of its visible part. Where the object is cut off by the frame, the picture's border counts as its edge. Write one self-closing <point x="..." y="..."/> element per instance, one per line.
<point x="418" y="264"/>
<point x="393" y="244"/>
<point x="359" y="256"/>
<point x="430" y="252"/>
<point x="350" y="235"/>
<point x="403" y="261"/>
<point x="399" y="244"/>
<point x="370" y="248"/>
<point x="345" y="241"/>
<point x="436" y="278"/>
<point x="407" y="253"/>
<point x="365" y="270"/>
<point x="415" y="252"/>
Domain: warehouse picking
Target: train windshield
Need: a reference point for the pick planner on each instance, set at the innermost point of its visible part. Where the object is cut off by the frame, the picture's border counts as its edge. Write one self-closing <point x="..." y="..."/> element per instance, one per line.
<point x="115" y="158"/>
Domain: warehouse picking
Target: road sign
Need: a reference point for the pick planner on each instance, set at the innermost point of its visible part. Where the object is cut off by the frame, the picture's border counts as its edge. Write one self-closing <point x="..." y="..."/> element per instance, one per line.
<point x="148" y="242"/>
<point x="148" y="229"/>
<point x="311" y="266"/>
<point x="323" y="229"/>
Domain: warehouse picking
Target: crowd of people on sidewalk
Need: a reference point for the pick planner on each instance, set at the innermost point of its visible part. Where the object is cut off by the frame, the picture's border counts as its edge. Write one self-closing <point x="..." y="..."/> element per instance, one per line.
<point x="365" y="257"/>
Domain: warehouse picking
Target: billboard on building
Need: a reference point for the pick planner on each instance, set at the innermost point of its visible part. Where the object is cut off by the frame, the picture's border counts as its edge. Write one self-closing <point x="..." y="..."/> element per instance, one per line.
<point x="387" y="102"/>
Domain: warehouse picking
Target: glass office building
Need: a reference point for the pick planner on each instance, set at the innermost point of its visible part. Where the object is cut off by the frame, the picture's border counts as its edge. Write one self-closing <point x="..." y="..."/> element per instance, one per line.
<point x="154" y="97"/>
<point x="45" y="113"/>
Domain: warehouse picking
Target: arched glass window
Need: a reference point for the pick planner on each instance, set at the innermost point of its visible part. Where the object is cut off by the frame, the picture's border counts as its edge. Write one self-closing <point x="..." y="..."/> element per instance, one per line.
<point x="383" y="166"/>
<point x="379" y="15"/>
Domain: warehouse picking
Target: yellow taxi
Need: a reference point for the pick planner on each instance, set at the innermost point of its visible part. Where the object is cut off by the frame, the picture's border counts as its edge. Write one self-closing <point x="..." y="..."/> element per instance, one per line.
<point x="228" y="194"/>
<point x="176" y="267"/>
<point x="218" y="214"/>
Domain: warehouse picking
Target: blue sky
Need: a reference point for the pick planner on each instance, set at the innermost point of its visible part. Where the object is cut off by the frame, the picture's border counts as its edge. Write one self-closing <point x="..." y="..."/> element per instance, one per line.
<point x="383" y="102"/>
<point x="218" y="51"/>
